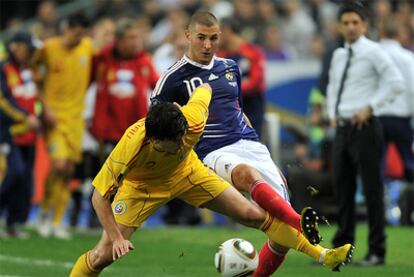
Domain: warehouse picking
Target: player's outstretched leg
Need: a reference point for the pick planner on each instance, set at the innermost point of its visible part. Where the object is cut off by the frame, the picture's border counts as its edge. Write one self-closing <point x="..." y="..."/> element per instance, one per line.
<point x="285" y="235"/>
<point x="335" y="258"/>
<point x="270" y="259"/>
<point x="309" y="224"/>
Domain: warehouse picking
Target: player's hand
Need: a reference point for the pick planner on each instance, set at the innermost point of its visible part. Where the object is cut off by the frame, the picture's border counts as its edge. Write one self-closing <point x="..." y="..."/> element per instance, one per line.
<point x="362" y="117"/>
<point x="32" y="122"/>
<point x="206" y="86"/>
<point x="48" y="117"/>
<point x="121" y="247"/>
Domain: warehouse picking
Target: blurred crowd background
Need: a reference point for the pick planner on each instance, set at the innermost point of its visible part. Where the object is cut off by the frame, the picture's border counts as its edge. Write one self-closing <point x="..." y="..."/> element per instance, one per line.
<point x="290" y="32"/>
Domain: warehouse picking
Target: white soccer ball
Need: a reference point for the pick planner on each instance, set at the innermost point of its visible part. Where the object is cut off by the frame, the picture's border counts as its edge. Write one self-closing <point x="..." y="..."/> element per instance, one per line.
<point x="236" y="257"/>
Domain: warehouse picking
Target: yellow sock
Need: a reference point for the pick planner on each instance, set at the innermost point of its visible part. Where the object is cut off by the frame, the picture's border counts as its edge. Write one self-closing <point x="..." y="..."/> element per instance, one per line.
<point x="61" y="199"/>
<point x="287" y="236"/>
<point x="83" y="268"/>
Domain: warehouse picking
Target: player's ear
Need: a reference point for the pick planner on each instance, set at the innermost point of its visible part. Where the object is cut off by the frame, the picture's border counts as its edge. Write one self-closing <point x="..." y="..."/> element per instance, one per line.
<point x="187" y="34"/>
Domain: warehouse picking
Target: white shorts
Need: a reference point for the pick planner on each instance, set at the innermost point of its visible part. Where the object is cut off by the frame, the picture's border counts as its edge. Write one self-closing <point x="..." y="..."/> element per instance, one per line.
<point x="252" y="153"/>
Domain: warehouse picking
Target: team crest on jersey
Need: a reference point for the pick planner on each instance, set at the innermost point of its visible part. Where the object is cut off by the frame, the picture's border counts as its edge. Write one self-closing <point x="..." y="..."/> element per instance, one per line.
<point x="229" y="76"/>
<point x="120" y="207"/>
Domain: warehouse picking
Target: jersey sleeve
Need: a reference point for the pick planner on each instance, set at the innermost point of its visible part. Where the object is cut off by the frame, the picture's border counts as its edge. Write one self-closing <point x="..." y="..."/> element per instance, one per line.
<point x="117" y="165"/>
<point x="196" y="113"/>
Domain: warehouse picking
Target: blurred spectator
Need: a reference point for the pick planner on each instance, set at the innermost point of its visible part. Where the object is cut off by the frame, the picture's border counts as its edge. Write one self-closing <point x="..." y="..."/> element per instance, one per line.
<point x="67" y="60"/>
<point x="170" y="52"/>
<point x="174" y="20"/>
<point x="251" y="61"/>
<point x="396" y="116"/>
<point x="219" y="8"/>
<point x="273" y="45"/>
<point x="103" y="32"/>
<point x="297" y="29"/>
<point x="310" y="178"/>
<point x="124" y="73"/>
<point x="245" y="14"/>
<point x="18" y="96"/>
<point x="46" y="25"/>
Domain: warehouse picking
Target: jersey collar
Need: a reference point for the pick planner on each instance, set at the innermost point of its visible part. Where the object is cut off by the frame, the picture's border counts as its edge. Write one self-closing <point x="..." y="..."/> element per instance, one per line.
<point x="203" y="66"/>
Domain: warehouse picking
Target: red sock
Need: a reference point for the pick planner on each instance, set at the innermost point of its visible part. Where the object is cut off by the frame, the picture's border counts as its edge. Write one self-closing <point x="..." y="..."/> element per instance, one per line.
<point x="269" y="261"/>
<point x="267" y="198"/>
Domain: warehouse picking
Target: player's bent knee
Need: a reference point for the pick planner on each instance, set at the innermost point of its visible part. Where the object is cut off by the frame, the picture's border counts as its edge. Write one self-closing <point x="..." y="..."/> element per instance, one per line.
<point x="243" y="175"/>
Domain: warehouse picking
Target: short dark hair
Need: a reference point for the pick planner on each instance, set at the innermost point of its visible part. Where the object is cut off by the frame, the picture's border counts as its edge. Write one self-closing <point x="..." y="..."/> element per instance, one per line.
<point x="204" y="18"/>
<point x="232" y="23"/>
<point x="352" y="6"/>
<point x="165" y="121"/>
<point x="123" y="25"/>
<point x="78" y="20"/>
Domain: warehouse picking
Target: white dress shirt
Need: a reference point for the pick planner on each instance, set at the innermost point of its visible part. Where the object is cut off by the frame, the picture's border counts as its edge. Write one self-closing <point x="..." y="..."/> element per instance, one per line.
<point x="403" y="105"/>
<point x="369" y="64"/>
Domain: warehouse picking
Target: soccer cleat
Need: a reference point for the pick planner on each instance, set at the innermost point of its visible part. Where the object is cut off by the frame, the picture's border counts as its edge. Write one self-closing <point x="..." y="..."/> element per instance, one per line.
<point x="60" y="232"/>
<point x="44" y="228"/>
<point x="337" y="257"/>
<point x="309" y="224"/>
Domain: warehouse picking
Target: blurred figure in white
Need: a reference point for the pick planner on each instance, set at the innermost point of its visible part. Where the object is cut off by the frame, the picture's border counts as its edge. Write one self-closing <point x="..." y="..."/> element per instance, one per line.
<point x="395" y="117"/>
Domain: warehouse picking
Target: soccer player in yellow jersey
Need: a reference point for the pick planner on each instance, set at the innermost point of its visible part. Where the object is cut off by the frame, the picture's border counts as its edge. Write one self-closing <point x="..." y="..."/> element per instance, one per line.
<point x="153" y="163"/>
<point x="67" y="60"/>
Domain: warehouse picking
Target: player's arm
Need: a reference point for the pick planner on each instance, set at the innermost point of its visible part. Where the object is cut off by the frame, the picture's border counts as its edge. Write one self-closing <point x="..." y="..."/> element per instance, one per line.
<point x="110" y="178"/>
<point x="196" y="111"/>
<point x="24" y="122"/>
<point x="102" y="206"/>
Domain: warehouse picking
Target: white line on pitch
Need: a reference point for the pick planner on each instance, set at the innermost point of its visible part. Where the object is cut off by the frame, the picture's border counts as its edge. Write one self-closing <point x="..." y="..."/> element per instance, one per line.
<point x="37" y="262"/>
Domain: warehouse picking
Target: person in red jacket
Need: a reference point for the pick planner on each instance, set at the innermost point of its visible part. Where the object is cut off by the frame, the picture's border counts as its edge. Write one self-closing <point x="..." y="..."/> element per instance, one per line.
<point x="18" y="91"/>
<point x="124" y="75"/>
<point x="251" y="60"/>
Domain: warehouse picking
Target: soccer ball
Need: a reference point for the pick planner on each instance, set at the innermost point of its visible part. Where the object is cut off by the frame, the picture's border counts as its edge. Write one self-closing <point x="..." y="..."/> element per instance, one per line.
<point x="236" y="257"/>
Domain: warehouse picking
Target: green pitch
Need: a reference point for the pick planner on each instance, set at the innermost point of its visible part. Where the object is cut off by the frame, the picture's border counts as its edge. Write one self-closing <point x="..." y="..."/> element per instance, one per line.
<point x="189" y="252"/>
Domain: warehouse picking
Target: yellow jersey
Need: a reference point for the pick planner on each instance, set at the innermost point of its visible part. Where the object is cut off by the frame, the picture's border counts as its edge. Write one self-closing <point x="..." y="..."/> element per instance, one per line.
<point x="134" y="161"/>
<point x="67" y="77"/>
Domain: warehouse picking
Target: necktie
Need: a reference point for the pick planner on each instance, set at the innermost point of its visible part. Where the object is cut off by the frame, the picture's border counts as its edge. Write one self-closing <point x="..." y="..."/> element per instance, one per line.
<point x="341" y="87"/>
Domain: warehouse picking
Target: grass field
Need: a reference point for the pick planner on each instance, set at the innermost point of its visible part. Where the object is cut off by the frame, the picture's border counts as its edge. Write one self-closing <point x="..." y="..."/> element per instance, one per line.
<point x="189" y="252"/>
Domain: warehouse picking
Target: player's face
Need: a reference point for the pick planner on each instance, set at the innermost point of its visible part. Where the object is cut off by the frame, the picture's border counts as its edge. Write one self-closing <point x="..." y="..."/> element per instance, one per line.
<point x="20" y="52"/>
<point x="75" y="35"/>
<point x="352" y="26"/>
<point x="169" y="146"/>
<point x="203" y="42"/>
<point x="130" y="43"/>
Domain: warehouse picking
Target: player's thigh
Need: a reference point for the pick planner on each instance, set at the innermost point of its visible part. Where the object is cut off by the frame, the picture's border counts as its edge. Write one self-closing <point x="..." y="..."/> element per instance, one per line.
<point x="201" y="186"/>
<point x="133" y="204"/>
<point x="223" y="161"/>
<point x="64" y="142"/>
<point x="234" y="158"/>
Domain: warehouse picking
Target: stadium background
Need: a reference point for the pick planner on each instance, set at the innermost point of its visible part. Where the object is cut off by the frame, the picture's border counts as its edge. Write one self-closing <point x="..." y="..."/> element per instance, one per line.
<point x="290" y="83"/>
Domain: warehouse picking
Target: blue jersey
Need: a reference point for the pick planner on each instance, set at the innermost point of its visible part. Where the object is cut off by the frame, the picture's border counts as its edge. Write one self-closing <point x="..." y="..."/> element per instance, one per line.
<point x="225" y="124"/>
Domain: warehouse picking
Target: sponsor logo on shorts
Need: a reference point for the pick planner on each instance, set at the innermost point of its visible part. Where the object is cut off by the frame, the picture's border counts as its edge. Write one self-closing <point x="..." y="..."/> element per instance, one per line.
<point x="120" y="207"/>
<point x="226" y="167"/>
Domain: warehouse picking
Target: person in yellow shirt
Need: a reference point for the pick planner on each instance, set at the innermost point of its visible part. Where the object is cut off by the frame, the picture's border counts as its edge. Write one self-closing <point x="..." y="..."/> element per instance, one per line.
<point x="153" y="163"/>
<point x="67" y="63"/>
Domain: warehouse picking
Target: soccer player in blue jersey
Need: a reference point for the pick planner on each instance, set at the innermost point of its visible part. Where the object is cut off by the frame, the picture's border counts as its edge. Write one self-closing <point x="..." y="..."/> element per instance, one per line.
<point x="229" y="145"/>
